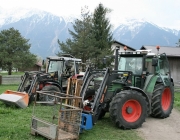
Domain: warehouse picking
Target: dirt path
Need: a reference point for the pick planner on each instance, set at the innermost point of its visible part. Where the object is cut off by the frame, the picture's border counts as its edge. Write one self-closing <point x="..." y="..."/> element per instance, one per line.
<point x="161" y="129"/>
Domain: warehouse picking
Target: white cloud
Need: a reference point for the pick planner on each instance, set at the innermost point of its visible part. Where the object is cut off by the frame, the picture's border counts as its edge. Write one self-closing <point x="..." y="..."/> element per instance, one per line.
<point x="161" y="12"/>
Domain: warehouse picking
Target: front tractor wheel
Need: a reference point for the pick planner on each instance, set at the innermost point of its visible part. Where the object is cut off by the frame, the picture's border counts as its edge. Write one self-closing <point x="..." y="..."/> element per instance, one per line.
<point x="162" y="101"/>
<point x="128" y="109"/>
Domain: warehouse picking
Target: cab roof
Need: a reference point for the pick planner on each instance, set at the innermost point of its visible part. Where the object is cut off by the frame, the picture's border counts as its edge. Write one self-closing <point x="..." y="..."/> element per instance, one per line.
<point x="63" y="58"/>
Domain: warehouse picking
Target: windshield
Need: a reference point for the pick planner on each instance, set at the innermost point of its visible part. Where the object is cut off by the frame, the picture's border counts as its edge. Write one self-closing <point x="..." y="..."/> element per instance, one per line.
<point x="55" y="66"/>
<point x="133" y="64"/>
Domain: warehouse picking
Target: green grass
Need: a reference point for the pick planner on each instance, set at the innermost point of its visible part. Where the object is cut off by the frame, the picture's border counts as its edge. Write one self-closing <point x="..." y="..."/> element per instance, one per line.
<point x="15" y="124"/>
<point x="10" y="87"/>
<point x="177" y="100"/>
<point x="13" y="73"/>
<point x="105" y="130"/>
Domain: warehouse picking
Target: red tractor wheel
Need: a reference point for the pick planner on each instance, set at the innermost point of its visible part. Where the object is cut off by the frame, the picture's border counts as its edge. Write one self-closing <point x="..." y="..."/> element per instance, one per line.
<point x="131" y="110"/>
<point x="166" y="99"/>
<point x="128" y="109"/>
<point x="162" y="101"/>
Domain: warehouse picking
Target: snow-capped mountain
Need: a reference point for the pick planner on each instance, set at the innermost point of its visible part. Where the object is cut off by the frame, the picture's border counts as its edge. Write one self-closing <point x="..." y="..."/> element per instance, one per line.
<point x="44" y="29"/>
<point x="136" y="33"/>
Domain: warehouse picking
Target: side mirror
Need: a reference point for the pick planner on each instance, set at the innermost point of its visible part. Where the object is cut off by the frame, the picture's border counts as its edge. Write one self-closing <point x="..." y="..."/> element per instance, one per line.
<point x="154" y="62"/>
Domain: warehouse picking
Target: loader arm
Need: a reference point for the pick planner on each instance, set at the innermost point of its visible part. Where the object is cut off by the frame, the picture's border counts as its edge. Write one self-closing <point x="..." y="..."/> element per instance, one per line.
<point x="97" y="106"/>
<point x="97" y="80"/>
<point x="26" y="90"/>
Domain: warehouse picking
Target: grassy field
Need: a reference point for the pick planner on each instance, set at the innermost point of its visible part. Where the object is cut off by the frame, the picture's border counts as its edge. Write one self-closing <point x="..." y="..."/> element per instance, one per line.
<point x="15" y="124"/>
<point x="13" y="73"/>
<point x="177" y="100"/>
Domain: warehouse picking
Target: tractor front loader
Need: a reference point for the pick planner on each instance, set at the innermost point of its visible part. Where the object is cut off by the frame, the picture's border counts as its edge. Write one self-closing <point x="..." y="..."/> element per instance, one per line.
<point x="58" y="70"/>
<point x="31" y="82"/>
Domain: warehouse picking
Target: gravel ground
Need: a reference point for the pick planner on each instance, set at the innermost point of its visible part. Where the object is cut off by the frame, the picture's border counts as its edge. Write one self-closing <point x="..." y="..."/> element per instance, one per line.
<point x="161" y="129"/>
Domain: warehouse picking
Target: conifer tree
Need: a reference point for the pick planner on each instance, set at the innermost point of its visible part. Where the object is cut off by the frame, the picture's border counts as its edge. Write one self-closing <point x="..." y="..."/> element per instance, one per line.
<point x="14" y="51"/>
<point x="103" y="34"/>
<point x="91" y="38"/>
<point x="81" y="43"/>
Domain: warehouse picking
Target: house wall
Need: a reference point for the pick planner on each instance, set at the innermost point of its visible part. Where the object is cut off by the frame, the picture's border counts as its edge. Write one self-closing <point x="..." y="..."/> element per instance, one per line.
<point x="174" y="63"/>
<point x="35" y="68"/>
<point x="173" y="57"/>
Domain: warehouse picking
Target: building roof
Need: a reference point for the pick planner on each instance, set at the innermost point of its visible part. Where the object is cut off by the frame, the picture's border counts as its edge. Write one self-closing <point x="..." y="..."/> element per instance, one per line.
<point x="39" y="64"/>
<point x="170" y="51"/>
<point x="124" y="45"/>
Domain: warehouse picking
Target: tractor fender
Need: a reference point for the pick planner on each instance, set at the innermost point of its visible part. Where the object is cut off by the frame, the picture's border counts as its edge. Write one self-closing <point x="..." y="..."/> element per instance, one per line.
<point x="159" y="79"/>
<point x="143" y="93"/>
<point x="55" y="84"/>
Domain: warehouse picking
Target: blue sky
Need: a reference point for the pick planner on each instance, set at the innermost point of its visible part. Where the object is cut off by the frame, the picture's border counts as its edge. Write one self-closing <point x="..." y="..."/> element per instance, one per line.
<point x="165" y="13"/>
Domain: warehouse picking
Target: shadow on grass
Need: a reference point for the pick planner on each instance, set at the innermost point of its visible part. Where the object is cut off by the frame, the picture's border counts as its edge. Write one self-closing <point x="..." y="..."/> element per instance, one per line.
<point x="106" y="130"/>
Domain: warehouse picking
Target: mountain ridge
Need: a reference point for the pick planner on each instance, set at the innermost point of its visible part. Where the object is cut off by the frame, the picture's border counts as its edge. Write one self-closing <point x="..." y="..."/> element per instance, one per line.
<point x="44" y="29"/>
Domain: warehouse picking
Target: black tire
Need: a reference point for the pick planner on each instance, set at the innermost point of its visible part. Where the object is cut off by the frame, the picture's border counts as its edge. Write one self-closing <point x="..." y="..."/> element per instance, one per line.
<point x="162" y="101"/>
<point x="125" y="108"/>
<point x="47" y="98"/>
<point x="90" y="93"/>
<point x="102" y="114"/>
<point x="89" y="96"/>
<point x="31" y="99"/>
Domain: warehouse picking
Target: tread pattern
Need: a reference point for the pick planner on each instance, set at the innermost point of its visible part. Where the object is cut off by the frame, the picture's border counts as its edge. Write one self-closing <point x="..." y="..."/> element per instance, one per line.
<point x="117" y="103"/>
<point x="156" y="108"/>
<point x="48" y="88"/>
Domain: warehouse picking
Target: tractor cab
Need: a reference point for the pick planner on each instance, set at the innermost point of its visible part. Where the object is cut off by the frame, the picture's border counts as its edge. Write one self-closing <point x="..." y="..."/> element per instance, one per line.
<point x="62" y="67"/>
<point x="145" y="66"/>
<point x="143" y="63"/>
<point x="133" y="61"/>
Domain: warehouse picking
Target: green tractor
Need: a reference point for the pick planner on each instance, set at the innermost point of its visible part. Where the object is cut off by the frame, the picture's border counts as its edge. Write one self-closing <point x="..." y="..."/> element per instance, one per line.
<point x="140" y="85"/>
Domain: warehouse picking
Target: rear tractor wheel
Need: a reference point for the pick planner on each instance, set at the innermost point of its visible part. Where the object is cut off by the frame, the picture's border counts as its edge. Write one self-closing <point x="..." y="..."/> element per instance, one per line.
<point x="128" y="109"/>
<point x="47" y="98"/>
<point x="162" y="101"/>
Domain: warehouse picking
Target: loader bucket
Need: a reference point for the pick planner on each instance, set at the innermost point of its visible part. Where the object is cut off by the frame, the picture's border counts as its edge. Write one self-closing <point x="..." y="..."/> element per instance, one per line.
<point x="20" y="99"/>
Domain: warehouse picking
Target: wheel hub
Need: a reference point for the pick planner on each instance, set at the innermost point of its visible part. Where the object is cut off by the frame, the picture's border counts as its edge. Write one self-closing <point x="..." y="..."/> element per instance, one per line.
<point x="129" y="110"/>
